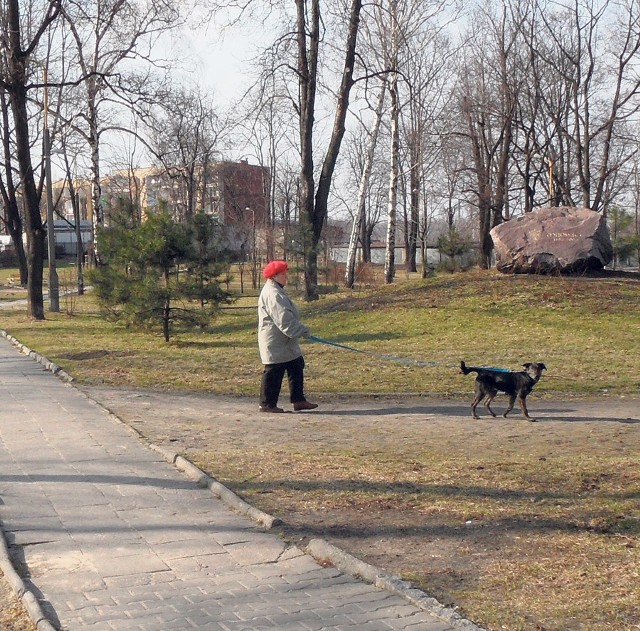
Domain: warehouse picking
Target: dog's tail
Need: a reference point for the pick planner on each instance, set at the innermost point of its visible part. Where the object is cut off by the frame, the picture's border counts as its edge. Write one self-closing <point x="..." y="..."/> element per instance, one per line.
<point x="465" y="370"/>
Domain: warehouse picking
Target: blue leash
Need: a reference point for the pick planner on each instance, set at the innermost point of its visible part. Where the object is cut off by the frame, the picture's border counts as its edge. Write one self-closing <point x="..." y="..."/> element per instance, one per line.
<point x="392" y="358"/>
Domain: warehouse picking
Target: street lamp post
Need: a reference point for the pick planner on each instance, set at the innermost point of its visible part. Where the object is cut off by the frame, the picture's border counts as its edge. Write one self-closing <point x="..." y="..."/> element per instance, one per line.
<point x="254" y="257"/>
<point x="54" y="288"/>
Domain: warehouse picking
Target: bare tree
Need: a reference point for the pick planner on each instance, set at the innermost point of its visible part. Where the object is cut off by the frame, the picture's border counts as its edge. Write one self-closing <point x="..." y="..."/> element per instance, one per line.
<point x="390" y="252"/>
<point x="318" y="26"/>
<point x="185" y="135"/>
<point x="488" y="100"/>
<point x="636" y="206"/>
<point x="269" y="130"/>
<point x="9" y="190"/>
<point x="425" y="60"/>
<point x="285" y="209"/>
<point x="314" y="200"/>
<point x="422" y="126"/>
<point x="21" y="36"/>
<point x="407" y="34"/>
<point x="106" y="34"/>
<point x="359" y="218"/>
<point x="583" y="47"/>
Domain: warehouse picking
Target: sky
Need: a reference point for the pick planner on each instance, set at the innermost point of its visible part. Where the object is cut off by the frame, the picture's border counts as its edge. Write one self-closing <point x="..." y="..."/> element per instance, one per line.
<point x="215" y="59"/>
<point x="218" y="60"/>
<point x="221" y="59"/>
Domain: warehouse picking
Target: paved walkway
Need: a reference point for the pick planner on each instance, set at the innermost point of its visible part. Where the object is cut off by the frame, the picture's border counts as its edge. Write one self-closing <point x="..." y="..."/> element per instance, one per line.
<point x="114" y="537"/>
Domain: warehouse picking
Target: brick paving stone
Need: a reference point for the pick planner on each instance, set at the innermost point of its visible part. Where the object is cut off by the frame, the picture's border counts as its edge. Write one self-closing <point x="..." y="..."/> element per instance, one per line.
<point x="116" y="538"/>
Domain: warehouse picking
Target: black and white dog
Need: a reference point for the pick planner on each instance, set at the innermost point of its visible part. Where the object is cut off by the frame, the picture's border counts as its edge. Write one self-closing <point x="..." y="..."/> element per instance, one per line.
<point x="517" y="384"/>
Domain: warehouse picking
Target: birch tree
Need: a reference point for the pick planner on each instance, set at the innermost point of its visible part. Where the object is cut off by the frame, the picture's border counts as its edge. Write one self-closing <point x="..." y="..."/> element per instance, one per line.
<point x="390" y="251"/>
<point x="410" y="43"/>
<point x="361" y="204"/>
<point x="388" y="25"/>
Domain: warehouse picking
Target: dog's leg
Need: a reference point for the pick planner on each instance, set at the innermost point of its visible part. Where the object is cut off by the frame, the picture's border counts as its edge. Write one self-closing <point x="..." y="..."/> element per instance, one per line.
<point x="490" y="397"/>
<point x="512" y="400"/>
<point x="479" y="396"/>
<point x="523" y="407"/>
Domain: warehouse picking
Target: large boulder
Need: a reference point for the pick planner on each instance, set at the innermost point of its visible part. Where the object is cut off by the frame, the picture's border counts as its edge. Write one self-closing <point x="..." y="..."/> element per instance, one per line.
<point x="553" y="240"/>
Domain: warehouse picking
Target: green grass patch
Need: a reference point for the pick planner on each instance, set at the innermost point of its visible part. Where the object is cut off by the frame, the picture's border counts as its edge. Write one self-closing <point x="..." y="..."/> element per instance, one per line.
<point x="571" y="324"/>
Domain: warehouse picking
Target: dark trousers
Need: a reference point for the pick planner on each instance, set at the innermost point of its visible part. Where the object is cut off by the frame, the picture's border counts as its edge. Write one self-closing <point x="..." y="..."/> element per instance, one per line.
<point x="272" y="377"/>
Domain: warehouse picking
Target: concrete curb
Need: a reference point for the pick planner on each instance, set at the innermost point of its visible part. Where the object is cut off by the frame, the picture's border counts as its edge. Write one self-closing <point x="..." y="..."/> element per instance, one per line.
<point x="324" y="551"/>
<point x="48" y="365"/>
<point x="225" y="495"/>
<point x="321" y="550"/>
<point x="22" y="592"/>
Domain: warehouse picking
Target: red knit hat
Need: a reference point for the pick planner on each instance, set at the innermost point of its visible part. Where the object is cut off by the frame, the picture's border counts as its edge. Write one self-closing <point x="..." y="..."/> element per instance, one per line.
<point x="274" y="268"/>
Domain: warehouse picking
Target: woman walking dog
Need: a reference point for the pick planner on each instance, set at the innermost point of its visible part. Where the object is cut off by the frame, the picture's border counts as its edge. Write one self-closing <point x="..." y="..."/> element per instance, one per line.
<point x="279" y="329"/>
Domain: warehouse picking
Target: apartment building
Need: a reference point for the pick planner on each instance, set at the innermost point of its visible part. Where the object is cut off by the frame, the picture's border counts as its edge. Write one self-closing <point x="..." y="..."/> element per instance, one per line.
<point x="235" y="193"/>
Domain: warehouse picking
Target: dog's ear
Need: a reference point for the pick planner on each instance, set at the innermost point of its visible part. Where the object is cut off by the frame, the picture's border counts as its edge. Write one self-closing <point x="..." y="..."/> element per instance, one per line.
<point x="526" y="366"/>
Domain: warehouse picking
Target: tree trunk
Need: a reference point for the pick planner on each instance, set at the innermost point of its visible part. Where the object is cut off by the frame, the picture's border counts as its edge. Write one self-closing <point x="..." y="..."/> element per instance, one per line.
<point x="78" y="230"/>
<point x="307" y="73"/>
<point x="389" y="260"/>
<point x="16" y="59"/>
<point x="414" y="201"/>
<point x="365" y="242"/>
<point x="16" y="85"/>
<point x="166" y="312"/>
<point x="97" y="216"/>
<point x="13" y="219"/>
<point x="33" y="220"/>
<point x="486" y="243"/>
<point x="14" y="228"/>
<point x="360" y="215"/>
<point x="313" y="209"/>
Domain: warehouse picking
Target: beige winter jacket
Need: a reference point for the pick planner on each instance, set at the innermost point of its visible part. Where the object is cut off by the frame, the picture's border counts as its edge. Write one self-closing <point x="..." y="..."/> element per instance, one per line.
<point x="279" y="325"/>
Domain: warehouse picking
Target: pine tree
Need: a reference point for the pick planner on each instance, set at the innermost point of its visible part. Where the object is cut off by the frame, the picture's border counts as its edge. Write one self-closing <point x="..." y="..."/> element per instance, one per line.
<point x="158" y="272"/>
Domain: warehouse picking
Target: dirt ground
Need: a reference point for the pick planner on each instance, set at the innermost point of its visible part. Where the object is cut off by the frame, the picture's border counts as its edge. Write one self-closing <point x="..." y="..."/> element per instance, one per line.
<point x="13" y="616"/>
<point x="386" y="535"/>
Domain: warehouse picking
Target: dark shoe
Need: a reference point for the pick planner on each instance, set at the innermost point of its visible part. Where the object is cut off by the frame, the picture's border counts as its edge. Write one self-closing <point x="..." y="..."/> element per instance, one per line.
<point x="299" y="406"/>
<point x="271" y="409"/>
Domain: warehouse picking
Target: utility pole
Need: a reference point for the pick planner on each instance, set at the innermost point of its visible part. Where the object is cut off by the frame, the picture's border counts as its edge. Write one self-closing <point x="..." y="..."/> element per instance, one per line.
<point x="54" y="288"/>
